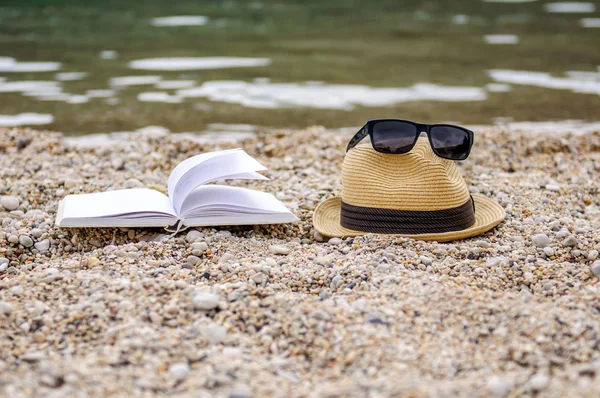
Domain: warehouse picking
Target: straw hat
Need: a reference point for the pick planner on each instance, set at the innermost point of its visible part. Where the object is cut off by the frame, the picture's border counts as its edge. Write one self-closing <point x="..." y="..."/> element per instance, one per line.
<point x="417" y="195"/>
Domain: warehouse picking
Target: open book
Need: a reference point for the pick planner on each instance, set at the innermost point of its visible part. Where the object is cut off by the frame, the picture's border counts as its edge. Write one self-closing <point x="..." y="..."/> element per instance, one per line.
<point x="189" y="201"/>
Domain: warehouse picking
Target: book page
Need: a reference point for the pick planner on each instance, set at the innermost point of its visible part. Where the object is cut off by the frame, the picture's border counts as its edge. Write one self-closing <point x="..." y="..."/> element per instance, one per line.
<point x="228" y="164"/>
<point x="121" y="202"/>
<point x="221" y="199"/>
<point x="182" y="168"/>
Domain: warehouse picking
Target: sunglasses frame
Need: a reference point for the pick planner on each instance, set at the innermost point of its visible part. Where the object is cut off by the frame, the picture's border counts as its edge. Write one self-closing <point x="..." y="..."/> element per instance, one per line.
<point x="367" y="130"/>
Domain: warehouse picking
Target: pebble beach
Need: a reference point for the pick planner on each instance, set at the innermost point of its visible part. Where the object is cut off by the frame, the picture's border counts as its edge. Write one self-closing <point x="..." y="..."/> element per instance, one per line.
<point x="285" y="312"/>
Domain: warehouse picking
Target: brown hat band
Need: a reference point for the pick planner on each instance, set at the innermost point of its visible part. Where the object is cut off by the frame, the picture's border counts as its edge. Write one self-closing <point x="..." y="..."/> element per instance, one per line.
<point x="409" y="222"/>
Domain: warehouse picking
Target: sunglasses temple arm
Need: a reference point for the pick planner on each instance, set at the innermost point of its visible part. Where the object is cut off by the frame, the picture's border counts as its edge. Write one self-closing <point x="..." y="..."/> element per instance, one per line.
<point x="358" y="137"/>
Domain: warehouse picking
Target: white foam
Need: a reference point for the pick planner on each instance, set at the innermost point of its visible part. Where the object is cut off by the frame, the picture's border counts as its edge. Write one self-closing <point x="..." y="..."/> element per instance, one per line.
<point x="28" y="85"/>
<point x="181" y="20"/>
<point x="159" y="96"/>
<point x="64" y="97"/>
<point x="100" y="93"/>
<point x="43" y="91"/>
<point x="24" y="119"/>
<point x="69" y="76"/>
<point x="8" y="64"/>
<point x="574" y="82"/>
<point x="108" y="54"/>
<point x="498" y="87"/>
<point x="590" y="22"/>
<point x="501" y="39"/>
<point x="460" y="19"/>
<point x="78" y="99"/>
<point x="197" y="63"/>
<point x="570" y="7"/>
<point x="174" y="84"/>
<point x="509" y="1"/>
<point x="134" y="80"/>
<point x="327" y="96"/>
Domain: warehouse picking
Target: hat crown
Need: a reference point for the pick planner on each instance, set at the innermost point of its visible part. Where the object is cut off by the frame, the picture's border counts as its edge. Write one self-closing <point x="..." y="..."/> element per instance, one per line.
<point x="415" y="181"/>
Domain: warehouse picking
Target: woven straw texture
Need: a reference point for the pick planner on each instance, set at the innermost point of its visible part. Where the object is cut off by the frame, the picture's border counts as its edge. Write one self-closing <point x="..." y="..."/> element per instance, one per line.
<point x="417" y="181"/>
<point x="488" y="214"/>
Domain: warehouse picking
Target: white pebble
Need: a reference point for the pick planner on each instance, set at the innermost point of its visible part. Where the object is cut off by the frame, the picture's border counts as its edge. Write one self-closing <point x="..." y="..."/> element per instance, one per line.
<point x="10" y="203"/>
<point x="484" y="244"/>
<point x="214" y="333"/>
<point x="205" y="301"/>
<point x="25" y="240"/>
<point x="199" y="246"/>
<point x="540" y="240"/>
<point x="425" y="260"/>
<point x="5" y="308"/>
<point x="192" y="236"/>
<point x="548" y="251"/>
<point x="43" y="245"/>
<point x="279" y="249"/>
<point x="193" y="260"/>
<point x="498" y="386"/>
<point x="539" y="382"/>
<point x="335" y="241"/>
<point x="571" y="241"/>
<point x="179" y="371"/>
<point x="596" y="269"/>
<point x="593" y="254"/>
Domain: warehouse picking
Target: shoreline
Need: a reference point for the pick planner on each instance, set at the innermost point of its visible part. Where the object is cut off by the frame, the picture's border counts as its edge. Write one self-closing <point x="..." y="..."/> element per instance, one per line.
<point x="280" y="310"/>
<point x="218" y="132"/>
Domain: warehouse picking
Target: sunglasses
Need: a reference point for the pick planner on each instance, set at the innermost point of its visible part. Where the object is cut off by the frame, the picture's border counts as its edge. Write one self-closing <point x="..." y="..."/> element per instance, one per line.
<point x="398" y="136"/>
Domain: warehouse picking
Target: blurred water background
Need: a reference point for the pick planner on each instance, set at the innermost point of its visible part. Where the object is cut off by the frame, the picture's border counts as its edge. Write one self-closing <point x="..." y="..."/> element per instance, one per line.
<point x="106" y="66"/>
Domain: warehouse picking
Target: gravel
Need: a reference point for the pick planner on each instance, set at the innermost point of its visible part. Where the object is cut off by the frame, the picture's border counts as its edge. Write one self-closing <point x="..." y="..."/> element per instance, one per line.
<point x="216" y="312"/>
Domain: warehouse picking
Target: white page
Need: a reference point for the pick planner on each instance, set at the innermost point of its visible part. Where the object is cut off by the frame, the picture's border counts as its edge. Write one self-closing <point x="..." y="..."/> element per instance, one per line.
<point x="188" y="164"/>
<point x="241" y="219"/>
<point x="224" y="197"/>
<point x="228" y="164"/>
<point x="114" y="203"/>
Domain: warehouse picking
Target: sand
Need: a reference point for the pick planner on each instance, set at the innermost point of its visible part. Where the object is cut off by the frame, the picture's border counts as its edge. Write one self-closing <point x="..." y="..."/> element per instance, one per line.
<point x="282" y="311"/>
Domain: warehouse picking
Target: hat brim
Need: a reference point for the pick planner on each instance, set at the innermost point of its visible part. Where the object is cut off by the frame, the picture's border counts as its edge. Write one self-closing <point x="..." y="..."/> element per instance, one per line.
<point x="488" y="214"/>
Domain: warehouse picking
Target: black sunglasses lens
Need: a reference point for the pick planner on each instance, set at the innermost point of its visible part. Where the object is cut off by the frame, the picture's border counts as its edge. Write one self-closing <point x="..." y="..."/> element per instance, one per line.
<point x="394" y="136"/>
<point x="450" y="142"/>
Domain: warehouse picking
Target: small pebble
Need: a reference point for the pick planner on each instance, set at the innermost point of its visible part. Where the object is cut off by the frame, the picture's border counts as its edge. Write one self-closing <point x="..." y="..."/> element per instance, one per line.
<point x="279" y="249"/>
<point x="5" y="308"/>
<point x="43" y="245"/>
<point x="193" y="260"/>
<point x="25" y="240"/>
<point x="179" y="371"/>
<point x="499" y="387"/>
<point x="199" y="246"/>
<point x="596" y="268"/>
<point x="192" y="235"/>
<point x="425" y="260"/>
<point x="548" y="251"/>
<point x="571" y="241"/>
<point x="205" y="301"/>
<point x="539" y="382"/>
<point x="483" y="243"/>
<point x="335" y="241"/>
<point x="10" y="203"/>
<point x="540" y="240"/>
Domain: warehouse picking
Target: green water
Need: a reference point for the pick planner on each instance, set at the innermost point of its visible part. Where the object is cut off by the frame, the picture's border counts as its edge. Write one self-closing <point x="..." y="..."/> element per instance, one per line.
<point x="392" y="44"/>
